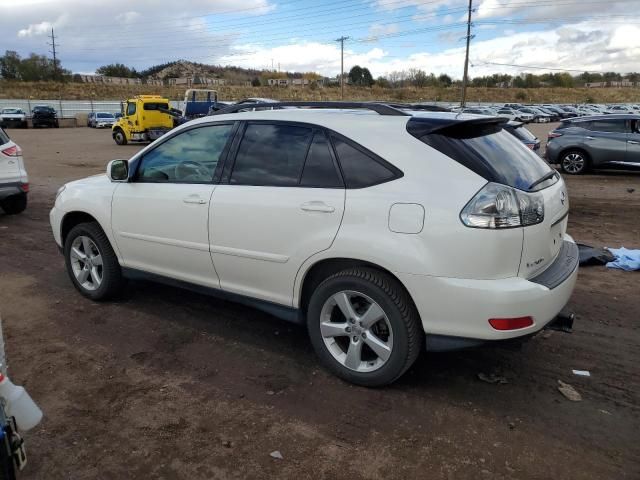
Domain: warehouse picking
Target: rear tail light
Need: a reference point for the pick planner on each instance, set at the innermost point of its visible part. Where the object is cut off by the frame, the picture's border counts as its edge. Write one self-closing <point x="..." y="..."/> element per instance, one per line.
<point x="531" y="146"/>
<point x="25" y="187"/>
<point x="499" y="206"/>
<point x="551" y="135"/>
<point x="510" y="323"/>
<point x="14" y="151"/>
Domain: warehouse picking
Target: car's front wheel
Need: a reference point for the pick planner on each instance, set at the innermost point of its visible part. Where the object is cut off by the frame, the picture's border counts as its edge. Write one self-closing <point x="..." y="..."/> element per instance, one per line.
<point x="91" y="262"/>
<point x="364" y="327"/>
<point x="574" y="162"/>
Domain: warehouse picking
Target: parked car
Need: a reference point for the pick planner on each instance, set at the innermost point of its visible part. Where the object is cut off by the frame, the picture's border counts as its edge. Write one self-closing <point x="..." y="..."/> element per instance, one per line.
<point x="557" y="110"/>
<point x="515" y="115"/>
<point x="603" y="141"/>
<point x="43" y="115"/>
<point x="13" y="117"/>
<point x="14" y="182"/>
<point x="518" y="130"/>
<point x="102" y="120"/>
<point x="554" y="116"/>
<point x="538" y="116"/>
<point x="380" y="230"/>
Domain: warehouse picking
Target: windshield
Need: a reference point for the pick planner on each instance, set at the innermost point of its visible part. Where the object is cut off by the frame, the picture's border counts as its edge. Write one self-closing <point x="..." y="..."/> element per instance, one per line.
<point x="492" y="153"/>
<point x="104" y="115"/>
<point x="11" y="110"/>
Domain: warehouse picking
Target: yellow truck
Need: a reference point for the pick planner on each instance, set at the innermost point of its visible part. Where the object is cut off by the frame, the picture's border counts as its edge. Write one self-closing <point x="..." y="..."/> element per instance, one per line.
<point x="144" y="118"/>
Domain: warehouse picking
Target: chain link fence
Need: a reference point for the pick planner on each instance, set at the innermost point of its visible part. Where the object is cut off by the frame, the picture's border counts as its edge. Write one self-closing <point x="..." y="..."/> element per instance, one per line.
<point x="71" y="108"/>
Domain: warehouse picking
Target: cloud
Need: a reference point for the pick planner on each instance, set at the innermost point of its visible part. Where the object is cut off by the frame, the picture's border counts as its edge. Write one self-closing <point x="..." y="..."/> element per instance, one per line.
<point x="376" y="29"/>
<point x="42" y="28"/>
<point x="128" y="17"/>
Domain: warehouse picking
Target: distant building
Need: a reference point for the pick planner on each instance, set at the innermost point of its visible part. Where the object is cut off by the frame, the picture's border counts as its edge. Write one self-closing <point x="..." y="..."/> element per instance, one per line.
<point x="295" y="82"/>
<point x="195" y="80"/>
<point x="110" y="80"/>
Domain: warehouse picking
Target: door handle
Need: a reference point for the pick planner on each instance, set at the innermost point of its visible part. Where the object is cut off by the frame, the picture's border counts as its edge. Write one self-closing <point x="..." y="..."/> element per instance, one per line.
<point x="194" y="199"/>
<point x="633" y="142"/>
<point x="317" y="207"/>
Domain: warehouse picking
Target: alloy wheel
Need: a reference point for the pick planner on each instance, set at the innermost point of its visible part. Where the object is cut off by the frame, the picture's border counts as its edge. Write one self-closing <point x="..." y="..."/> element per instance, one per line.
<point x="573" y="163"/>
<point x="356" y="331"/>
<point x="86" y="263"/>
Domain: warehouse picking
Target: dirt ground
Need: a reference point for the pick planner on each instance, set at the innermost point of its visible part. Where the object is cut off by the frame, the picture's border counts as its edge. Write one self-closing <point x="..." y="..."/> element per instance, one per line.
<point x="170" y="384"/>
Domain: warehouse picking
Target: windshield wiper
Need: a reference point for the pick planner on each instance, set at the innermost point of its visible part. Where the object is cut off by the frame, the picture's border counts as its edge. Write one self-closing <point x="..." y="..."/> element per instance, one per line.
<point x="544" y="178"/>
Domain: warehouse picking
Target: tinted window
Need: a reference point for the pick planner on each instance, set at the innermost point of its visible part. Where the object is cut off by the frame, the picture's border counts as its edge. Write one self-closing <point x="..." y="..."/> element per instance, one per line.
<point x="155" y="106"/>
<point x="4" y="138"/>
<point x="131" y="108"/>
<point x="191" y="156"/>
<point x="359" y="169"/>
<point x="524" y="134"/>
<point x="492" y="153"/>
<point x="616" y="126"/>
<point x="271" y="155"/>
<point x="104" y="115"/>
<point x="319" y="169"/>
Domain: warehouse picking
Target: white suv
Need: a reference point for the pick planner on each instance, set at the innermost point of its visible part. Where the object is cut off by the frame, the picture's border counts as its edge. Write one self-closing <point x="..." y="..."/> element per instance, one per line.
<point x="14" y="182"/>
<point x="378" y="227"/>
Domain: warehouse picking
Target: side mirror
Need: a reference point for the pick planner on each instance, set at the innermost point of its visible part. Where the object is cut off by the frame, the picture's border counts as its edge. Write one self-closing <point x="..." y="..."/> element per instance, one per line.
<point x="118" y="170"/>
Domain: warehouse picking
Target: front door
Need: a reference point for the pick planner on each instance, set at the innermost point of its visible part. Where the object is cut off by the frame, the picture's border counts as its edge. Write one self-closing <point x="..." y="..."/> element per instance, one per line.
<point x="160" y="217"/>
<point x="282" y="202"/>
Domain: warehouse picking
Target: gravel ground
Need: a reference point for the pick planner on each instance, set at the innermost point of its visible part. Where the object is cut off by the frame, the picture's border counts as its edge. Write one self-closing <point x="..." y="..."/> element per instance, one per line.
<point x="165" y="383"/>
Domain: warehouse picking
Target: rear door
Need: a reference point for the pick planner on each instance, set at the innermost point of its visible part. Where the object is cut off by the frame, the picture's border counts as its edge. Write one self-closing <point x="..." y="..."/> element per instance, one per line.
<point x="280" y="202"/>
<point x="606" y="140"/>
<point x="633" y="145"/>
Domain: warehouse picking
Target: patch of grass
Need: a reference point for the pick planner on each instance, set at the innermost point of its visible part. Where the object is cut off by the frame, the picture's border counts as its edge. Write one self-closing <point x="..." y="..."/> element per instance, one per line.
<point x="84" y="91"/>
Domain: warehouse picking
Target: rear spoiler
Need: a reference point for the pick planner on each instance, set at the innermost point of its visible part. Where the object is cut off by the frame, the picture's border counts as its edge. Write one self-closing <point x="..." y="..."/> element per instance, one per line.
<point x="421" y="126"/>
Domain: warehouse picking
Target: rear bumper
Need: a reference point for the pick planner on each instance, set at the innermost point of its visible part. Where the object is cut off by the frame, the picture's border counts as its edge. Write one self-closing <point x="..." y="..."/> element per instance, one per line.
<point x="456" y="307"/>
<point x="9" y="189"/>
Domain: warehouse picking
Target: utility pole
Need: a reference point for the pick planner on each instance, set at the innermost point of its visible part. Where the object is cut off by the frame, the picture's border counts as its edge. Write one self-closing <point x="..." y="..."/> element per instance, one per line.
<point x="53" y="51"/>
<point x="465" y="79"/>
<point x="341" y="40"/>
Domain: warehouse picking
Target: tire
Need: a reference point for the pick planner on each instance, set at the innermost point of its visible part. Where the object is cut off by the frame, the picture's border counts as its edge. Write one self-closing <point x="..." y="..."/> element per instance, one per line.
<point x="575" y="162"/>
<point x="109" y="273"/>
<point x="120" y="137"/>
<point x="333" y="335"/>
<point x="14" y="204"/>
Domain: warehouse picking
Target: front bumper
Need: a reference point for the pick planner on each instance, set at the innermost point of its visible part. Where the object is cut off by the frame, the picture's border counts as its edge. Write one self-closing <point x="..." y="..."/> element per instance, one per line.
<point x="55" y="219"/>
<point x="456" y="307"/>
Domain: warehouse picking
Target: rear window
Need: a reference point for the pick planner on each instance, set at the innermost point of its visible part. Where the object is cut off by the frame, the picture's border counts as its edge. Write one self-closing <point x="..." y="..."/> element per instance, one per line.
<point x="155" y="106"/>
<point x="491" y="152"/>
<point x="524" y="134"/>
<point x="104" y="115"/>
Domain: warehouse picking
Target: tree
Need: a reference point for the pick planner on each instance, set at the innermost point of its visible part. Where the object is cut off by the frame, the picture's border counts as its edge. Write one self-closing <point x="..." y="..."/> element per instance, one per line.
<point x="10" y="65"/>
<point x="255" y="82"/>
<point x="117" y="70"/>
<point x="445" y="80"/>
<point x="355" y="75"/>
<point x="367" y="78"/>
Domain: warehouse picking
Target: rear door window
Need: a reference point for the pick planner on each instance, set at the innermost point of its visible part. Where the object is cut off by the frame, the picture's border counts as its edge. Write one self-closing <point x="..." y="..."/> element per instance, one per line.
<point x="320" y="169"/>
<point x="612" y="126"/>
<point x="271" y="154"/>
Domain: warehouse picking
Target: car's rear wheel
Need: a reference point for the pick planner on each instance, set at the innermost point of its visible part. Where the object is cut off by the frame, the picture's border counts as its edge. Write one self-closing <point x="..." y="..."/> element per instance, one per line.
<point x="91" y="262"/>
<point x="14" y="204"/>
<point x="574" y="162"/>
<point x="120" y="137"/>
<point x="364" y="327"/>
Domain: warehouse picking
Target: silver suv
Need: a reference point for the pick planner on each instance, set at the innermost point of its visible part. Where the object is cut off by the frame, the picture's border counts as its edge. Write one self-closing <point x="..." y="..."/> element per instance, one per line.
<point x="602" y="141"/>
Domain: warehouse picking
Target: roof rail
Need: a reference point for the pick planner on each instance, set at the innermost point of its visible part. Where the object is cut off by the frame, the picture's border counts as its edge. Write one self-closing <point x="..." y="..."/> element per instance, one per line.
<point x="380" y="108"/>
<point x="420" y="106"/>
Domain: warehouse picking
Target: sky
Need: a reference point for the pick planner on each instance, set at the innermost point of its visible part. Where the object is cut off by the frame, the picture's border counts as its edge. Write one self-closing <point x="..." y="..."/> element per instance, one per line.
<point x="508" y="36"/>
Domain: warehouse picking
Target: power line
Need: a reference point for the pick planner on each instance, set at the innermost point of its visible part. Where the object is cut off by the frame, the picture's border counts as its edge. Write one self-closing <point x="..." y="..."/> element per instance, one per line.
<point x="534" y="67"/>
